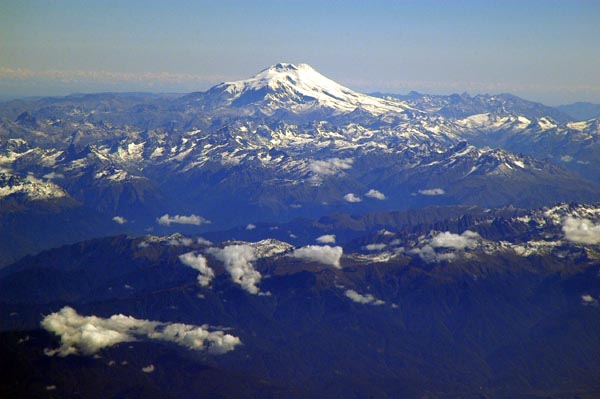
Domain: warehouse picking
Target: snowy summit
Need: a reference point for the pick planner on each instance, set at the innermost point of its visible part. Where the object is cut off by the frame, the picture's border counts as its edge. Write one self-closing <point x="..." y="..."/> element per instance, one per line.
<point x="299" y="89"/>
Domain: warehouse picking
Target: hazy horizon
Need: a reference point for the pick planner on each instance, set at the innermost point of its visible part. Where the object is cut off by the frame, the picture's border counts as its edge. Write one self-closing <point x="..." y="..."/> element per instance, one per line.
<point x="544" y="51"/>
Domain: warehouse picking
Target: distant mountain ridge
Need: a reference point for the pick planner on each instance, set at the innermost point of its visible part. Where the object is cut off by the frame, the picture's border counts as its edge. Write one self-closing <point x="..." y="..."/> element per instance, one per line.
<point x="287" y="143"/>
<point x="581" y="111"/>
<point x="464" y="105"/>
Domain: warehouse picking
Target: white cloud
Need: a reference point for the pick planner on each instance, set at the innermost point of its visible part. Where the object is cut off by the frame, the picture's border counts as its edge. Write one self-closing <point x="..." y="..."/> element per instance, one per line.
<point x="89" y="334"/>
<point x="119" y="219"/>
<point x="323" y="254"/>
<point x="432" y="191"/>
<point x="149" y="79"/>
<point x="372" y="193"/>
<point x="50" y="387"/>
<point x="351" y="197"/>
<point x="198" y="262"/>
<point x="581" y="231"/>
<point x="447" y="241"/>
<point x="375" y="247"/>
<point x="167" y="220"/>
<point x="329" y="166"/>
<point x="566" y="158"/>
<point x="149" y="368"/>
<point x="364" y="299"/>
<point x="587" y="298"/>
<point x="238" y="263"/>
<point x="54" y="175"/>
<point x="203" y="241"/>
<point x="327" y="239"/>
<point x="177" y="240"/>
<point x="250" y="226"/>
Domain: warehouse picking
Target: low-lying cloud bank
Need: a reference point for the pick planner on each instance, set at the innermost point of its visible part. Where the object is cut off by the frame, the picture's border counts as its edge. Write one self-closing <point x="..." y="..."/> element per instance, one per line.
<point x="325" y="254"/>
<point x="198" y="262"/>
<point x="87" y="335"/>
<point x="367" y="299"/>
<point x="167" y="220"/>
<point x="238" y="263"/>
<point x="581" y="231"/>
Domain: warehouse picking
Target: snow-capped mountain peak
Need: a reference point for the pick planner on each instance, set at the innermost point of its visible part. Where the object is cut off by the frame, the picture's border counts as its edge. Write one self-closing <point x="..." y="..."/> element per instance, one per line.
<point x="298" y="88"/>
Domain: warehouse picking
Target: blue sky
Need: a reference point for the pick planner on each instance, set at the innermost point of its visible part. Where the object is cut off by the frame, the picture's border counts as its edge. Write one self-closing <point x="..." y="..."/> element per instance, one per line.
<point x="547" y="51"/>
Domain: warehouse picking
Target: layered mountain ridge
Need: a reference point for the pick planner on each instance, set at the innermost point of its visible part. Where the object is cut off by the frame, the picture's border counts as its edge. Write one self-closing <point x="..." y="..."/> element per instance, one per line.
<point x="285" y="236"/>
<point x="500" y="303"/>
<point x="289" y="143"/>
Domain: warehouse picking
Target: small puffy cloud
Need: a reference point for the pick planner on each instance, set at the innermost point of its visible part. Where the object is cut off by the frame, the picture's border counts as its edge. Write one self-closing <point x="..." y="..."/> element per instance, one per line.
<point x="198" y="262"/>
<point x="323" y="254"/>
<point x="446" y="239"/>
<point x="329" y="166"/>
<point x="587" y="298"/>
<point x="119" y="219"/>
<point x="372" y="193"/>
<point x="327" y="239"/>
<point x="89" y="334"/>
<point x="351" y="197"/>
<point x="177" y="240"/>
<point x="250" y="226"/>
<point x="581" y="231"/>
<point x="203" y="241"/>
<point x="167" y="220"/>
<point x="566" y="158"/>
<point x="50" y="387"/>
<point x="432" y="191"/>
<point x="54" y="175"/>
<point x="148" y="369"/>
<point x="375" y="247"/>
<point x="238" y="263"/>
<point x="448" y="242"/>
<point x="364" y="299"/>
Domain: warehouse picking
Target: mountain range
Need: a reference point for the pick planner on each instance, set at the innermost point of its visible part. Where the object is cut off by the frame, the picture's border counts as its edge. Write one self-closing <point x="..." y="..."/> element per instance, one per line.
<point x="443" y="302"/>
<point x="287" y="143"/>
<point x="301" y="239"/>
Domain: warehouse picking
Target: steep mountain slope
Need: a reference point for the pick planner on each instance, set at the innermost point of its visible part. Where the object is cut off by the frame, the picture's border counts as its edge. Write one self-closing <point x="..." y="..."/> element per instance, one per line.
<point x="291" y="89"/>
<point x="574" y="145"/>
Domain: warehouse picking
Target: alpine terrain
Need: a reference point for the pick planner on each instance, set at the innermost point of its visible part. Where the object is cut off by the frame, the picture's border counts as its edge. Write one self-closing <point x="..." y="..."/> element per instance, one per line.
<point x="286" y="236"/>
